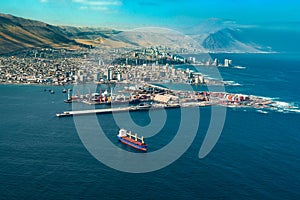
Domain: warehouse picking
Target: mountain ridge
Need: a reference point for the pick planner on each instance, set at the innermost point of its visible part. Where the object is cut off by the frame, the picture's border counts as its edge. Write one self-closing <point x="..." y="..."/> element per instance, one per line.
<point x="226" y="40"/>
<point x="17" y="34"/>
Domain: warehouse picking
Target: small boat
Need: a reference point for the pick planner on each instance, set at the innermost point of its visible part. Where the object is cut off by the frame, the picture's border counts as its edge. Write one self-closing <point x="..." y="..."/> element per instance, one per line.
<point x="262" y="111"/>
<point x="172" y="105"/>
<point x="132" y="140"/>
<point x="52" y="92"/>
<point x="144" y="106"/>
<point x="72" y="99"/>
<point x="68" y="101"/>
<point x="64" y="91"/>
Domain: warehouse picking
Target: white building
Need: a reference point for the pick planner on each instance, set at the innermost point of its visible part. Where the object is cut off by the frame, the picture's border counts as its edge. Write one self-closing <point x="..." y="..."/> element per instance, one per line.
<point x="227" y="63"/>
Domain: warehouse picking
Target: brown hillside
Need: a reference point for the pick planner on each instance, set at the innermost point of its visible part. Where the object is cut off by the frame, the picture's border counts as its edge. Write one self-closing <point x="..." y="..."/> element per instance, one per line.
<point x="18" y="33"/>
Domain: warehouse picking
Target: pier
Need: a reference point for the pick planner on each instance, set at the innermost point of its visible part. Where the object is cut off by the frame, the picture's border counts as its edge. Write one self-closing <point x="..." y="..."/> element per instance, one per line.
<point x="132" y="109"/>
<point x="97" y="111"/>
<point x="114" y="110"/>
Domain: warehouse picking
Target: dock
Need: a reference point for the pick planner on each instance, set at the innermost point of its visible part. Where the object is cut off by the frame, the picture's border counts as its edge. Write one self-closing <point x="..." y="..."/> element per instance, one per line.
<point x="132" y="109"/>
<point x="97" y="111"/>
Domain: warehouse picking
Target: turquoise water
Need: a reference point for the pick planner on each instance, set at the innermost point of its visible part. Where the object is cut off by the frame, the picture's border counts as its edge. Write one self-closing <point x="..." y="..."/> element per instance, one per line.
<point x="256" y="157"/>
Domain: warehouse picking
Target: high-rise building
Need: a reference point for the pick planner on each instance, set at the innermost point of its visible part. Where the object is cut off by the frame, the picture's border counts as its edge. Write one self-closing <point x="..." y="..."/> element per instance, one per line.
<point x="216" y="62"/>
<point x="227" y="63"/>
<point x="101" y="62"/>
<point x="110" y="73"/>
<point x="119" y="76"/>
<point x="79" y="73"/>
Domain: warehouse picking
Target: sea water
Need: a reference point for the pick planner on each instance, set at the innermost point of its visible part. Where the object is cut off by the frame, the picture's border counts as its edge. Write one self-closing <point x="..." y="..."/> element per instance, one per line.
<point x="256" y="157"/>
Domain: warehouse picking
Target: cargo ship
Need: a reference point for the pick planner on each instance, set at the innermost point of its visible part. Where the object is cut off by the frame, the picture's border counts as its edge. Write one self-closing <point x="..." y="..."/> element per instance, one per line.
<point x="126" y="137"/>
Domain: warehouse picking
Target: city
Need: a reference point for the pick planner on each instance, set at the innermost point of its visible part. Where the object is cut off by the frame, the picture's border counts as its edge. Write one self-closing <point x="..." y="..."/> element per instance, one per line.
<point x="61" y="67"/>
<point x="146" y="100"/>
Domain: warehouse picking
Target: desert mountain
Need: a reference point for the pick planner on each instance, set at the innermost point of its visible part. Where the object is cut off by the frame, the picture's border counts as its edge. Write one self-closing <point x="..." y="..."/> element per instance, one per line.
<point x="18" y="33"/>
<point x="227" y="40"/>
<point x="88" y="33"/>
<point x="153" y="36"/>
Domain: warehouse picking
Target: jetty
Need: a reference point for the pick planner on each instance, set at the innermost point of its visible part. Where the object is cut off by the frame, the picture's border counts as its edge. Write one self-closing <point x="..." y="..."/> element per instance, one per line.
<point x="133" y="109"/>
<point x="115" y="110"/>
<point x="97" y="111"/>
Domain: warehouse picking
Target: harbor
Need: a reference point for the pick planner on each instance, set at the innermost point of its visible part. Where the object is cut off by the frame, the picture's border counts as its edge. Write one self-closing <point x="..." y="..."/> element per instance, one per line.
<point x="151" y="97"/>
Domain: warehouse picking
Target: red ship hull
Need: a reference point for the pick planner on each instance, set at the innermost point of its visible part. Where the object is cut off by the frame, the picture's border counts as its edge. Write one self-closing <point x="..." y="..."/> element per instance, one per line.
<point x="134" y="144"/>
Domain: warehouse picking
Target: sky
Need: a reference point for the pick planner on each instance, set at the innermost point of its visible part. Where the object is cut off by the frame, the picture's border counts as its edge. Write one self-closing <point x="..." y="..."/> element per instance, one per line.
<point x="138" y="13"/>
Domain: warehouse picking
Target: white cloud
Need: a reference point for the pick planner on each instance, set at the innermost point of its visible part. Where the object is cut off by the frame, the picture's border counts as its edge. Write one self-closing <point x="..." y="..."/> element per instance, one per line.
<point x="83" y="8"/>
<point x="98" y="5"/>
<point x="100" y="8"/>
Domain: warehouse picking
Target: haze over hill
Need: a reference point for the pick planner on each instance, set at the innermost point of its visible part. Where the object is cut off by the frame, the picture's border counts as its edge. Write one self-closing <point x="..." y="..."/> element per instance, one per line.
<point x="17" y="34"/>
<point x="154" y="36"/>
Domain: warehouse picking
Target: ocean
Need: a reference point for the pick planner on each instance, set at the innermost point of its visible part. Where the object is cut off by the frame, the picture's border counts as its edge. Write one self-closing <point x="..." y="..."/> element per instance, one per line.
<point x="256" y="157"/>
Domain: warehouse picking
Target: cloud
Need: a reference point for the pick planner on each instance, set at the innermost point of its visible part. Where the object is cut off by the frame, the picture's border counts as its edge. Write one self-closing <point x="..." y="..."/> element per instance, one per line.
<point x="83" y="8"/>
<point x="44" y="1"/>
<point x="100" y="5"/>
<point x="99" y="8"/>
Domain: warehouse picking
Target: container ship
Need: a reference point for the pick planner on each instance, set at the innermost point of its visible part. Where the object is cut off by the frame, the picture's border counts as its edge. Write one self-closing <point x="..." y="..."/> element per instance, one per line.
<point x="126" y="137"/>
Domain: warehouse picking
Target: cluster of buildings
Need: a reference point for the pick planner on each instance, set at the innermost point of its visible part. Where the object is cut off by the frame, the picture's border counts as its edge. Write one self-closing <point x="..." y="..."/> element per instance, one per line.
<point x="155" y="65"/>
<point x="144" y="73"/>
<point x="158" y="56"/>
<point x="211" y="62"/>
<point x="140" y="73"/>
<point x="44" y="66"/>
<point x="60" y="67"/>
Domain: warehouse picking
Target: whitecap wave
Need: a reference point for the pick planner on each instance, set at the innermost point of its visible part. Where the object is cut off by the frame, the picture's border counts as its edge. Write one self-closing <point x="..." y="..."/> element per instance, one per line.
<point x="285" y="107"/>
<point x="232" y="83"/>
<point x="262" y="111"/>
<point x="239" y="67"/>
